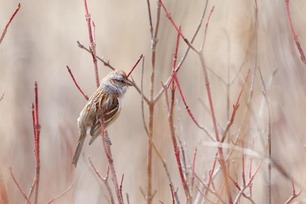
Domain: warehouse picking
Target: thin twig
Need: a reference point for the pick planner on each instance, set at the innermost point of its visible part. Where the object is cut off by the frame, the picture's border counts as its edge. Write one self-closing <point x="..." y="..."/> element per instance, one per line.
<point x="92" y="46"/>
<point x="31" y="190"/>
<point x="235" y="108"/>
<point x="60" y="195"/>
<point x="104" y="180"/>
<point x="109" y="156"/>
<point x="121" y="184"/>
<point x="171" y="126"/>
<point x="188" y="109"/>
<point x="294" y="194"/>
<point x="179" y="65"/>
<point x="241" y="192"/>
<point x="295" y="36"/>
<point x="151" y="103"/>
<point x="175" y="26"/>
<point x="105" y="63"/>
<point x="9" y="22"/>
<point x="134" y="66"/>
<point x="76" y="84"/>
<point x="19" y="187"/>
<point x="36" y="127"/>
<point x="142" y="100"/>
<point x="193" y="169"/>
<point x="208" y="189"/>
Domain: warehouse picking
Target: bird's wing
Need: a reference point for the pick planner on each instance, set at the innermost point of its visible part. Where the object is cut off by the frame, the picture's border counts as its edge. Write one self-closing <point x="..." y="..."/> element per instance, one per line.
<point x="110" y="110"/>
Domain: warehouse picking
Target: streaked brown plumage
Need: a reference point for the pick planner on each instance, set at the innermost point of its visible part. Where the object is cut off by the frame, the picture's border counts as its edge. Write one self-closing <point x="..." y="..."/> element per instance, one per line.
<point x="108" y="97"/>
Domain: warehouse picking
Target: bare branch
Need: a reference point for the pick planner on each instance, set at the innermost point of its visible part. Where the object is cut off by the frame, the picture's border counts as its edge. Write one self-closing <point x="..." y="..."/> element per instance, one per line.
<point x="76" y="84"/>
<point x="9" y="22"/>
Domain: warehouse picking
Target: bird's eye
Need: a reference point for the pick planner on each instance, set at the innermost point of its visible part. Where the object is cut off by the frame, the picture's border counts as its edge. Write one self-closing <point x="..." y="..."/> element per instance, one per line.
<point x="120" y="80"/>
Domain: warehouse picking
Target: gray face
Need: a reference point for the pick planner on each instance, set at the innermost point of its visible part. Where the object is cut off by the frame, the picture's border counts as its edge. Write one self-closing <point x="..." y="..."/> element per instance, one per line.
<point x="115" y="82"/>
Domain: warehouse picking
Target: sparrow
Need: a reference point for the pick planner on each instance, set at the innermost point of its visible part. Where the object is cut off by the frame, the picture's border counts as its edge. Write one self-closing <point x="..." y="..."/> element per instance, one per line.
<point x="106" y="101"/>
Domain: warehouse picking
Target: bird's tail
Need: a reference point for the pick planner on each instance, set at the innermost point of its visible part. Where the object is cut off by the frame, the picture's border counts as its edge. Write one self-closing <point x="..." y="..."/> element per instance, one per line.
<point x="78" y="150"/>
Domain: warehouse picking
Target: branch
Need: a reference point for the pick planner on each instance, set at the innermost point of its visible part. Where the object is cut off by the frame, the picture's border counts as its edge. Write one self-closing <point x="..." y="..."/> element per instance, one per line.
<point x="177" y="28"/>
<point x="76" y="84"/>
<point x="134" y="66"/>
<point x="104" y="180"/>
<point x="92" y="46"/>
<point x="235" y="108"/>
<point x="295" y="37"/>
<point x="171" y="125"/>
<point x="19" y="187"/>
<point x="293" y="195"/>
<point x="9" y="22"/>
<point x="106" y="146"/>
<point x="105" y="63"/>
<point x="60" y="195"/>
<point x="168" y="81"/>
<point x="36" y="128"/>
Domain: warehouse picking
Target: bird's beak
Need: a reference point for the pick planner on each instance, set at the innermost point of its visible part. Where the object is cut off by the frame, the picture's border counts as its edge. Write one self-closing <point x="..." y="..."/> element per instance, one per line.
<point x="128" y="82"/>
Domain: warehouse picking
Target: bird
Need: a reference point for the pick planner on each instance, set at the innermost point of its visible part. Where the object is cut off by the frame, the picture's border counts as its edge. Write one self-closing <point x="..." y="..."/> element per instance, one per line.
<point x="106" y="101"/>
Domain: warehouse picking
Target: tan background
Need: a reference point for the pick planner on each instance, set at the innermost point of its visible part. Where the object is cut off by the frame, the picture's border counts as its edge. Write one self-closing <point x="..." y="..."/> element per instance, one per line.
<point x="41" y="41"/>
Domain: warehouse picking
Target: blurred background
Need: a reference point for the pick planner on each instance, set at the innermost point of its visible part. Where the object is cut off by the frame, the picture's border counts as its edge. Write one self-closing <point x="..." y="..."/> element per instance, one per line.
<point x="42" y="40"/>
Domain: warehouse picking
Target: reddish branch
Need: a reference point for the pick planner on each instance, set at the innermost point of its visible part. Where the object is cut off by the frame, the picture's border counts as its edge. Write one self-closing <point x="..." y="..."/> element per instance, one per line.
<point x="134" y="66"/>
<point x="60" y="195"/>
<point x="105" y="63"/>
<point x="19" y="187"/>
<point x="76" y="84"/>
<point x="177" y="28"/>
<point x="193" y="169"/>
<point x="36" y="127"/>
<point x="187" y="107"/>
<point x="171" y="125"/>
<point x="294" y="194"/>
<point x="242" y="189"/>
<point x="208" y="189"/>
<point x="9" y="22"/>
<point x="208" y="90"/>
<point x="106" y="146"/>
<point x="104" y="180"/>
<point x="295" y="36"/>
<point x="92" y="47"/>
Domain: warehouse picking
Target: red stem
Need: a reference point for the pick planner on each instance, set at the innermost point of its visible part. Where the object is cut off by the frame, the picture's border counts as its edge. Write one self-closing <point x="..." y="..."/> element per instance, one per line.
<point x="36" y="141"/>
<point x="92" y="43"/>
<point x="76" y="84"/>
<point x="295" y="37"/>
<point x="9" y="22"/>
<point x="171" y="124"/>
<point x="134" y="66"/>
<point x="19" y="187"/>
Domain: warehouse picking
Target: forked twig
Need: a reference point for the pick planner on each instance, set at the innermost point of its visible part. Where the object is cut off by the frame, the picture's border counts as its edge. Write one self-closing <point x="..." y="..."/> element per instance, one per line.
<point x="19" y="187"/>
<point x="104" y="180"/>
<point x="105" y="63"/>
